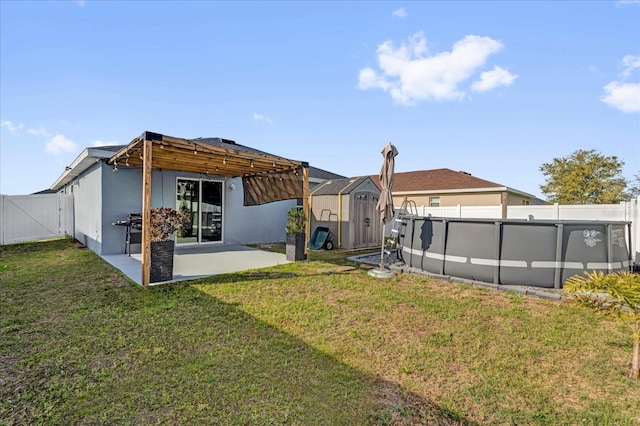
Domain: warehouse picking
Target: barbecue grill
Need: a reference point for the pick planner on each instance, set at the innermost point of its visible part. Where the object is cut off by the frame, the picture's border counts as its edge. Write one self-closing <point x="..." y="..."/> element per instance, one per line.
<point x="133" y="234"/>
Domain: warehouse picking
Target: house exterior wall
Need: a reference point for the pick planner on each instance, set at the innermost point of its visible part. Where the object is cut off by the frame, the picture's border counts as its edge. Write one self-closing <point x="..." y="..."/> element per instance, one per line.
<point x="87" y="207"/>
<point x="102" y="197"/>
<point x="518" y="200"/>
<point x="462" y="199"/>
<point x="121" y="196"/>
<point x="241" y="224"/>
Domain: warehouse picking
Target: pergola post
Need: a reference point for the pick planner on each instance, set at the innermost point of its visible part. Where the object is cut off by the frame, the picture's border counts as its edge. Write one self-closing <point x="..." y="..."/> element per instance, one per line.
<point x="305" y="205"/>
<point x="147" y="162"/>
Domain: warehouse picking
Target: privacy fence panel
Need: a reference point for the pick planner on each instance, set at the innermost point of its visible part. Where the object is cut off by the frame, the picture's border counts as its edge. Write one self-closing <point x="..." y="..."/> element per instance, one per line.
<point x="35" y="217"/>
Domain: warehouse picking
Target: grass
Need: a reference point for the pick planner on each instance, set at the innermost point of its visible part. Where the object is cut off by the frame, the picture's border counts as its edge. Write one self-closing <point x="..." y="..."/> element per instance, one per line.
<point x="303" y="343"/>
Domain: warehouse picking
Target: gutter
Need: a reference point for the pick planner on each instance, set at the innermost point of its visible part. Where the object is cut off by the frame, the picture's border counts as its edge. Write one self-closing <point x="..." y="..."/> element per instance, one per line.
<point x="79" y="165"/>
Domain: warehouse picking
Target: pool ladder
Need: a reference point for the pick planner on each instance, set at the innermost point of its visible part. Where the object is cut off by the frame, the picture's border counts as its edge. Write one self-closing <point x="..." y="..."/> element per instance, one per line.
<point x="408" y="208"/>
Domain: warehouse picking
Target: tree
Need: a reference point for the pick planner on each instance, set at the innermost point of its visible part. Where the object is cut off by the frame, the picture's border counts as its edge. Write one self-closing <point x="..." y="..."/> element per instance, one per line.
<point x="615" y="296"/>
<point x="633" y="190"/>
<point x="584" y="177"/>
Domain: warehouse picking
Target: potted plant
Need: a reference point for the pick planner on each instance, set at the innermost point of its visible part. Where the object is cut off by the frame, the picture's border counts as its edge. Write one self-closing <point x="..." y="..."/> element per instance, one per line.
<point x="165" y="222"/>
<point x="296" y="223"/>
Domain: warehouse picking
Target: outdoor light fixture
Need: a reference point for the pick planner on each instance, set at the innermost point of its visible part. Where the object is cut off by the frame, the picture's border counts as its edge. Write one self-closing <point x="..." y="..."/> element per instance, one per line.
<point x="126" y="163"/>
<point x="232" y="186"/>
<point x="224" y="160"/>
<point x="252" y="163"/>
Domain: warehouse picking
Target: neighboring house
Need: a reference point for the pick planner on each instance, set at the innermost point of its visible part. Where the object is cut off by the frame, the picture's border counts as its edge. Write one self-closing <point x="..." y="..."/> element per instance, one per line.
<point x="348" y="208"/>
<point x="106" y="193"/>
<point x="445" y="187"/>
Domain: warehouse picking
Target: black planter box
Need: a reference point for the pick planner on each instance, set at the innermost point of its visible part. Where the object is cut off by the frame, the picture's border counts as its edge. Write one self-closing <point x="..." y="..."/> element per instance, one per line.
<point x="295" y="246"/>
<point x="161" y="261"/>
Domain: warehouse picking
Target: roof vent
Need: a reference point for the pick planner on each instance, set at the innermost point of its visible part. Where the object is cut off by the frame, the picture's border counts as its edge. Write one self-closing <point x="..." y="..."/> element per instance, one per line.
<point x="466" y="173"/>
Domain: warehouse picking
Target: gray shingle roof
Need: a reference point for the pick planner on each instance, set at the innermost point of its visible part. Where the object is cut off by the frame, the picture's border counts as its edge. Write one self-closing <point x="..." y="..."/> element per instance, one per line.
<point x="337" y="186"/>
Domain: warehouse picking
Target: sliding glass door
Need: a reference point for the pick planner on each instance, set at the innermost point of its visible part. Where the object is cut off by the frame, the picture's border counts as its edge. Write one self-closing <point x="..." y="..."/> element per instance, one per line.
<point x="201" y="201"/>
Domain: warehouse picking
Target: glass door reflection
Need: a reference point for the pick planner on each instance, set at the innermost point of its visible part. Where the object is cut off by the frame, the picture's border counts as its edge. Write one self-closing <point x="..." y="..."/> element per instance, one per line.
<point x="201" y="201"/>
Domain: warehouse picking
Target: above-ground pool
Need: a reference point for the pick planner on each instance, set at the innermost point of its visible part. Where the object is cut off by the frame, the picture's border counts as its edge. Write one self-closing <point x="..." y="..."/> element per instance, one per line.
<point x="536" y="253"/>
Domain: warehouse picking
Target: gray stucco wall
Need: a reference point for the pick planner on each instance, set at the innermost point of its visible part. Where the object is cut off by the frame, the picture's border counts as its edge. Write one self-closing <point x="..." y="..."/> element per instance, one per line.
<point x="87" y="206"/>
<point x="122" y="195"/>
<point x="241" y="224"/>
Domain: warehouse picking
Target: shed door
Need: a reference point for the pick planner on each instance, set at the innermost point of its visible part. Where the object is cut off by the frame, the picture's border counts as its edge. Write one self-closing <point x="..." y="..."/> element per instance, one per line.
<point x="366" y="221"/>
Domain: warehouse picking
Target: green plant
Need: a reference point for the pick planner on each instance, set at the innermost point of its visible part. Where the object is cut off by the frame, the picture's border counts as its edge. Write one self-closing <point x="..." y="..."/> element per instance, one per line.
<point x="296" y="220"/>
<point x="615" y="296"/>
<point x="165" y="222"/>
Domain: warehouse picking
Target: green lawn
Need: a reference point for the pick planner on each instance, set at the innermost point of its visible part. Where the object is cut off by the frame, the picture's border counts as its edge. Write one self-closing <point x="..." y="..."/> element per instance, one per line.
<point x="304" y="343"/>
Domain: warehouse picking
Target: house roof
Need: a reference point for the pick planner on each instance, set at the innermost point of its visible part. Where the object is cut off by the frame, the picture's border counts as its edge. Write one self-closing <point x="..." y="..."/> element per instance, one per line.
<point x="86" y="159"/>
<point x="443" y="180"/>
<point x="90" y="155"/>
<point x="321" y="175"/>
<point x="339" y="186"/>
<point x="436" y="180"/>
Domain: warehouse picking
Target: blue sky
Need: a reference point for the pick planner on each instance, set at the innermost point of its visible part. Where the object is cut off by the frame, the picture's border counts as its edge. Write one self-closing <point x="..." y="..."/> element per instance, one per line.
<point x="492" y="88"/>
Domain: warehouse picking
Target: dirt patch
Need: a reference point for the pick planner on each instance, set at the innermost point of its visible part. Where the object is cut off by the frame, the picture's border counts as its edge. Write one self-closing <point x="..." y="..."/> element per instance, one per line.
<point x="399" y="407"/>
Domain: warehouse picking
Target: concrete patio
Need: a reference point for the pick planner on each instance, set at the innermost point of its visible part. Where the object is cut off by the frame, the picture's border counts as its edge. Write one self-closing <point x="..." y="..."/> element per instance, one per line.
<point x="201" y="261"/>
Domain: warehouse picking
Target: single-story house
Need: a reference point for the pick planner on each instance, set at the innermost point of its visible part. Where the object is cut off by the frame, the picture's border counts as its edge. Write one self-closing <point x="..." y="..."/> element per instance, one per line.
<point x="445" y="187"/>
<point x="347" y="207"/>
<point x="235" y="194"/>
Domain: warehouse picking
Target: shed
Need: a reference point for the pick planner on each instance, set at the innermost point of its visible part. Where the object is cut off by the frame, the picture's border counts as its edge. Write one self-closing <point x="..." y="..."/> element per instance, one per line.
<point x="348" y="208"/>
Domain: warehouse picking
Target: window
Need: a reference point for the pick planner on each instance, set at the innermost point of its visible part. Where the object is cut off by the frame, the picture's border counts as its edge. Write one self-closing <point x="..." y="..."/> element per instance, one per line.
<point x="525" y="202"/>
<point x="434" y="201"/>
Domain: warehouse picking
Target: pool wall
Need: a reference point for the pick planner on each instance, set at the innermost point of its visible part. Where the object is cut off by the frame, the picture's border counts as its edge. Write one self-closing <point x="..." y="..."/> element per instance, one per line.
<point x="514" y="252"/>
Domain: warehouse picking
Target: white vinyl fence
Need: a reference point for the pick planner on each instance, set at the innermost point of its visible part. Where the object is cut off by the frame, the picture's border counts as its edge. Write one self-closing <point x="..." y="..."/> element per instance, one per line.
<point x="627" y="211"/>
<point x="35" y="217"/>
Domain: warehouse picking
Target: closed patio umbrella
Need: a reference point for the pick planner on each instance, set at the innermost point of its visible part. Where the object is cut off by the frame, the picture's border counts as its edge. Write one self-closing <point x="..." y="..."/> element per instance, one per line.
<point x="385" y="202"/>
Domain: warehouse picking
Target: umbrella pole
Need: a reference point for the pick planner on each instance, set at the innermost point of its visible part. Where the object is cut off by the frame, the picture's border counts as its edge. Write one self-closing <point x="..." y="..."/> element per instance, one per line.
<point x="382" y="249"/>
<point x="380" y="271"/>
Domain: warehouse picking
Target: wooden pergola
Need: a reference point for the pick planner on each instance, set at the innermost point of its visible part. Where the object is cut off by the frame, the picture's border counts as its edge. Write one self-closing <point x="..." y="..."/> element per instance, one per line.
<point x="225" y="158"/>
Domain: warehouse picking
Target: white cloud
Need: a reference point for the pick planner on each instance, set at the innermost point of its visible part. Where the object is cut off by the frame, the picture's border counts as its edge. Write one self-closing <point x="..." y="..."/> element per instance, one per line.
<point x="12" y="128"/>
<point x="630" y="63"/>
<point x="622" y="96"/>
<point x="491" y="79"/>
<point x="410" y="74"/>
<point x="400" y="13"/>
<point x="59" y="143"/>
<point x="38" y="132"/>
<point x="259" y="118"/>
<point x="99" y="143"/>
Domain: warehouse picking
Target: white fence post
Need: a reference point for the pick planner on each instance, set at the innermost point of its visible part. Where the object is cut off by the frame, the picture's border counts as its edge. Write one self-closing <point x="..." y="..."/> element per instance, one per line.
<point x="3" y="218"/>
